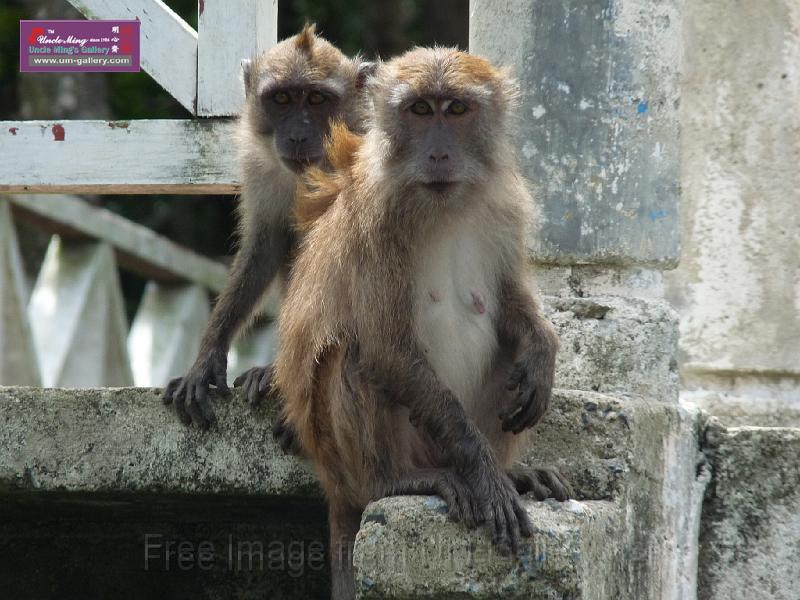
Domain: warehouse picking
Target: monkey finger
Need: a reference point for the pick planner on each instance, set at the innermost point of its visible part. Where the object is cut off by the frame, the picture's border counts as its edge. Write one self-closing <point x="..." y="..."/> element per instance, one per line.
<point x="560" y="489"/>
<point x="266" y="380"/>
<point x="539" y="400"/>
<point x="500" y="532"/>
<point x="180" y="410"/>
<point x="252" y="390"/>
<point x="222" y="386"/>
<point x="512" y="525"/>
<point x="529" y="482"/>
<point x="191" y="408"/>
<point x="241" y="379"/>
<point x="516" y="376"/>
<point x="173" y="385"/>
<point x="525" y="525"/>
<point x="204" y="404"/>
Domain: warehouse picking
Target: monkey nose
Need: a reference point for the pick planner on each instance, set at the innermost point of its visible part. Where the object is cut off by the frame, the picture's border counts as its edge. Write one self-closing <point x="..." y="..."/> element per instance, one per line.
<point x="438" y="157"/>
<point x="297" y="139"/>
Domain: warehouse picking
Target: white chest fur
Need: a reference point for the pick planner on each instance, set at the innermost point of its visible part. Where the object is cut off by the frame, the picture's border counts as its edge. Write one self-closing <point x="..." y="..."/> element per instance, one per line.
<point x="455" y="301"/>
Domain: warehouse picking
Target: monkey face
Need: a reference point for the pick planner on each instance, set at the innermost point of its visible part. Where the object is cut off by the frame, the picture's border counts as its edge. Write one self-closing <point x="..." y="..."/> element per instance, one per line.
<point x="437" y="134"/>
<point x="300" y="121"/>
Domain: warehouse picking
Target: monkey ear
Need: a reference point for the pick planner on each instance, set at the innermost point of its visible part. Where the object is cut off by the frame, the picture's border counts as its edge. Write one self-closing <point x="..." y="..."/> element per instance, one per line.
<point x="247" y="67"/>
<point x="365" y="70"/>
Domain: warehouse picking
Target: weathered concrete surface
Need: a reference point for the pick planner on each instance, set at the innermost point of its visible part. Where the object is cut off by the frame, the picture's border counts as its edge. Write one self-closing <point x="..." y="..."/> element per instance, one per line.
<point x="738" y="285"/>
<point x="125" y="441"/>
<point x="615" y="345"/>
<point x="639" y="475"/>
<point x="640" y="456"/>
<point x="599" y="121"/>
<point x="407" y="548"/>
<point x="750" y="540"/>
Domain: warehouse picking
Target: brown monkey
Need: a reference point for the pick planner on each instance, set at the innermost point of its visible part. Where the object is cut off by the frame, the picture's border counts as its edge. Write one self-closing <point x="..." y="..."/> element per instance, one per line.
<point x="412" y="355"/>
<point x="293" y="91"/>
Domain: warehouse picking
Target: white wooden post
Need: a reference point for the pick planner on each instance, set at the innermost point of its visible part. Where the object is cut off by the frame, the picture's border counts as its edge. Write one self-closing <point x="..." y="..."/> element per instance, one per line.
<point x="226" y="35"/>
<point x="165" y="335"/>
<point x="18" y="365"/>
<point x="78" y="319"/>
<point x="168" y="44"/>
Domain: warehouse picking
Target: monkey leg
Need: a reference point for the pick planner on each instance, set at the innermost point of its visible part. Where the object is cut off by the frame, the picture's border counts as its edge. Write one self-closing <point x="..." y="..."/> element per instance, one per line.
<point x="343" y="521"/>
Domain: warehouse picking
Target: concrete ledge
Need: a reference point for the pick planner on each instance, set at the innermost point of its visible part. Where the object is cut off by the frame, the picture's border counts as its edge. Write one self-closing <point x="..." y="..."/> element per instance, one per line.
<point x="407" y="548"/>
<point x="750" y="536"/>
<point x="125" y="440"/>
<point x="616" y="345"/>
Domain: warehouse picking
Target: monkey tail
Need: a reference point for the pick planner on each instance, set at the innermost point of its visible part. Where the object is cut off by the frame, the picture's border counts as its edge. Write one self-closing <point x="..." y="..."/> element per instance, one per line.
<point x="318" y="189"/>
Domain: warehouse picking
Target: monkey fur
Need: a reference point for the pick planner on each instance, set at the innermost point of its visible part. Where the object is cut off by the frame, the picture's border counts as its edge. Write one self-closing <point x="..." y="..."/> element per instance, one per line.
<point x="413" y="358"/>
<point x="292" y="93"/>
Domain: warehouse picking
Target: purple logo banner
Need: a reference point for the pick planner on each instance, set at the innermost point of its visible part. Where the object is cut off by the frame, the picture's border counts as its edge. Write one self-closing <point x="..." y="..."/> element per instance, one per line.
<point x="98" y="46"/>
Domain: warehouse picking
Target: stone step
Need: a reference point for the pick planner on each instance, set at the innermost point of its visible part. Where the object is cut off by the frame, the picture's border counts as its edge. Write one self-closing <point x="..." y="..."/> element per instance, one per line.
<point x="750" y="535"/>
<point x="407" y="548"/>
<point x="118" y="459"/>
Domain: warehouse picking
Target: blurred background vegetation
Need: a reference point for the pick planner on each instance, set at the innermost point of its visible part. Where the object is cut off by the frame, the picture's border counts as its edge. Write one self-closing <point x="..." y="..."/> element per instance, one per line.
<point x="203" y="223"/>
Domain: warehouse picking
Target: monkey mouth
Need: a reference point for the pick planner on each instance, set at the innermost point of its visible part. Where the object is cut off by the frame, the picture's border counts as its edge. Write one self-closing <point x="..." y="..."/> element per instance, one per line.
<point x="439" y="187"/>
<point x="298" y="165"/>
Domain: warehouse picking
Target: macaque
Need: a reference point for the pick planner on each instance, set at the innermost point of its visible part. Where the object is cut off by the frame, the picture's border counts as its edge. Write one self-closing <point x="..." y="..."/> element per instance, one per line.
<point x="413" y="357"/>
<point x="292" y="93"/>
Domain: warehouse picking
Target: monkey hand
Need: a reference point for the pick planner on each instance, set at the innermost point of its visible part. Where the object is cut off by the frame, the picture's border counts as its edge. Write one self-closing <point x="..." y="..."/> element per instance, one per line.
<point x="257" y="384"/>
<point x="190" y="393"/>
<point x="543" y="482"/>
<point x="500" y="506"/>
<point x="531" y="383"/>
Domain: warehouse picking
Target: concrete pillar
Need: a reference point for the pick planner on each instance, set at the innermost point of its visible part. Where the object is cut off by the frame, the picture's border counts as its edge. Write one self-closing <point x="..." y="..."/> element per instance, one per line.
<point x="738" y="285"/>
<point x="598" y="125"/>
<point x="78" y="319"/>
<point x="18" y="365"/>
<point x="165" y="335"/>
<point x="598" y="141"/>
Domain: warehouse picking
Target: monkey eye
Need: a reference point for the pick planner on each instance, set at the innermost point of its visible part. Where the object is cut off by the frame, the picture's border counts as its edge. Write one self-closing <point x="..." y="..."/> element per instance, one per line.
<point x="457" y="108"/>
<point x="420" y="107"/>
<point x="315" y="98"/>
<point x="281" y="98"/>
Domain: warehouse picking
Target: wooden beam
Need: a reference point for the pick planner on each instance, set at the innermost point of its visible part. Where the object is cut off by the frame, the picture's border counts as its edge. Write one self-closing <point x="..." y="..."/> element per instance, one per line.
<point x="168" y="43"/>
<point x="117" y="157"/>
<point x="136" y="247"/>
<point x="226" y="36"/>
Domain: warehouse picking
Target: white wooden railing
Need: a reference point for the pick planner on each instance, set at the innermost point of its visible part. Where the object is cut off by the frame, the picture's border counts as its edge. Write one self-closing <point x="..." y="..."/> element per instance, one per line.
<point x="69" y="327"/>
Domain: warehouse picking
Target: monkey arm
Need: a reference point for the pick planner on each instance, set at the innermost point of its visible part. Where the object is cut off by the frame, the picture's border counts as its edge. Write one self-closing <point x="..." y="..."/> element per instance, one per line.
<point x="262" y="254"/>
<point x="410" y="380"/>
<point x="523" y="330"/>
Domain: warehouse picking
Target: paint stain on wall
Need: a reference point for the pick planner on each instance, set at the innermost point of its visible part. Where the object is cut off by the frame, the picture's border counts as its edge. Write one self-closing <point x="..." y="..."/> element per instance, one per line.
<point x="13" y="130"/>
<point x="58" y="132"/>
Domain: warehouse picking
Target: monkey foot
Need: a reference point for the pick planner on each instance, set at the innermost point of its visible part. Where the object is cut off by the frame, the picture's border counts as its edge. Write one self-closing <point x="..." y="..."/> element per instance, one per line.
<point x="543" y="482"/>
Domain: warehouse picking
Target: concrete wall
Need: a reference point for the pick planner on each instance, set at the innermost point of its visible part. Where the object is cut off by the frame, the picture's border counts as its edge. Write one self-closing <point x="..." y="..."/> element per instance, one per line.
<point x="738" y="284"/>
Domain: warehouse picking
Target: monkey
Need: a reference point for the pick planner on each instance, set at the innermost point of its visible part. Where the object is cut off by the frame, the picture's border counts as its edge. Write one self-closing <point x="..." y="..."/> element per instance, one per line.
<point x="413" y="358"/>
<point x="292" y="93"/>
